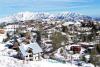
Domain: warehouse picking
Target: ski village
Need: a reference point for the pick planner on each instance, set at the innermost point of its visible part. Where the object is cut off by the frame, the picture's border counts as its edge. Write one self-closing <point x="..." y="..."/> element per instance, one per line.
<point x="46" y="40"/>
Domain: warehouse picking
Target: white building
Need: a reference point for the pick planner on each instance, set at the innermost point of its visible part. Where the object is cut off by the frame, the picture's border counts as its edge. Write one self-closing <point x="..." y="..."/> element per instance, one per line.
<point x="30" y="51"/>
<point x="68" y="23"/>
<point x="11" y="27"/>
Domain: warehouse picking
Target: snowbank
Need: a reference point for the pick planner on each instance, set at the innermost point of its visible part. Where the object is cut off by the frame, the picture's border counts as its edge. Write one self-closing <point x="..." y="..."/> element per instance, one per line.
<point x="12" y="62"/>
<point x="4" y="51"/>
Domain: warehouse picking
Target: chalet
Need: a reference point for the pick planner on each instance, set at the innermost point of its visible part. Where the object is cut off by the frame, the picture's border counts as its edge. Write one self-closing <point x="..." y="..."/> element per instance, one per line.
<point x="48" y="45"/>
<point x="29" y="29"/>
<point x="77" y="24"/>
<point x="97" y="39"/>
<point x="68" y="23"/>
<point x="30" y="51"/>
<point x="75" y="48"/>
<point x="12" y="27"/>
<point x="33" y="36"/>
<point x="85" y="29"/>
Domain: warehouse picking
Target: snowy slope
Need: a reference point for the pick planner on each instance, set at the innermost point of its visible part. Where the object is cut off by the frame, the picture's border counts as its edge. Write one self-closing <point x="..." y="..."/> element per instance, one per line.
<point x="6" y="60"/>
<point x="12" y="62"/>
<point x="22" y="16"/>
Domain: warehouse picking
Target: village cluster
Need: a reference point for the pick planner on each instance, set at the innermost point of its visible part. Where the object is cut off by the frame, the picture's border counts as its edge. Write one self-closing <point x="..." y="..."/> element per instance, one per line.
<point x="33" y="40"/>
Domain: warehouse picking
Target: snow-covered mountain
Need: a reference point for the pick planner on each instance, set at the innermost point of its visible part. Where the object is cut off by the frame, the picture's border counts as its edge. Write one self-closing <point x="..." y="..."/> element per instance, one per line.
<point x="22" y="16"/>
<point x="97" y="18"/>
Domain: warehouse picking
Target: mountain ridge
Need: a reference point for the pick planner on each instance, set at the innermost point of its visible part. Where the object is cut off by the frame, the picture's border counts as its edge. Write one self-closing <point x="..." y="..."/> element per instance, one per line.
<point x="66" y="16"/>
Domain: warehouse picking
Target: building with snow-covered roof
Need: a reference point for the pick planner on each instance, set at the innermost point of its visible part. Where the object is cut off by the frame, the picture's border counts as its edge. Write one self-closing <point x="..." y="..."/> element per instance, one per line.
<point x="68" y="23"/>
<point x="75" y="48"/>
<point x="30" y="51"/>
<point x="12" y="27"/>
<point x="77" y="23"/>
<point x="48" y="45"/>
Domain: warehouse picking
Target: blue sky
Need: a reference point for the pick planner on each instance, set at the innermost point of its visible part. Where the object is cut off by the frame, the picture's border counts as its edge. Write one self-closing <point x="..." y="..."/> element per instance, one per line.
<point x="86" y="7"/>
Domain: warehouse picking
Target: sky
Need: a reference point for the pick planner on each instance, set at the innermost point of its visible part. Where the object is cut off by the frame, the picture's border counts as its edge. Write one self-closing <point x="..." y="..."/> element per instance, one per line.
<point x="86" y="7"/>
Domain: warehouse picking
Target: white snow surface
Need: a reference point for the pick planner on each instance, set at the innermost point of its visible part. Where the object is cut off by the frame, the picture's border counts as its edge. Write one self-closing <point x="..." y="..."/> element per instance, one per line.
<point x="4" y="51"/>
<point x="12" y="62"/>
<point x="6" y="60"/>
